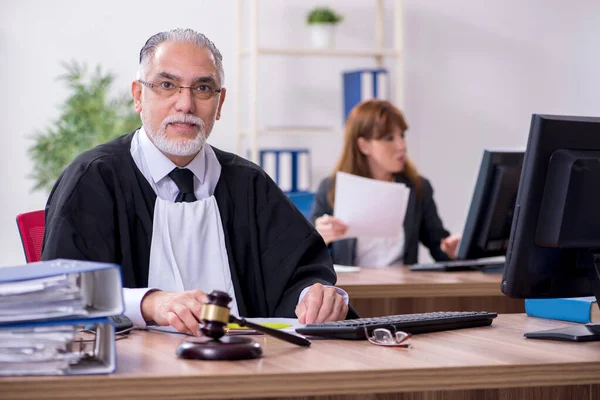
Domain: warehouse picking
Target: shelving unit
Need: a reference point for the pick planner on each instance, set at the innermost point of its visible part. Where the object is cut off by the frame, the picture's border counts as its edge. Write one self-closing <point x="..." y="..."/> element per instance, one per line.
<point x="253" y="52"/>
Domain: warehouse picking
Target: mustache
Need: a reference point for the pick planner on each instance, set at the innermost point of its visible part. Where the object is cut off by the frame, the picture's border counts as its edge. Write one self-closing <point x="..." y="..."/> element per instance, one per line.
<point x="183" y="119"/>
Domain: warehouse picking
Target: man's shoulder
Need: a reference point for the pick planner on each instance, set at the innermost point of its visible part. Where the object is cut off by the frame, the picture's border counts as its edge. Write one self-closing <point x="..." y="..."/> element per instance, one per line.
<point x="110" y="153"/>
<point x="92" y="169"/>
<point x="103" y="160"/>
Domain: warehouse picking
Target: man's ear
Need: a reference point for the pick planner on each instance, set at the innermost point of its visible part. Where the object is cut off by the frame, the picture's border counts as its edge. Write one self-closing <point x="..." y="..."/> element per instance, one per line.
<point x="222" y="96"/>
<point x="136" y="93"/>
<point x="363" y="145"/>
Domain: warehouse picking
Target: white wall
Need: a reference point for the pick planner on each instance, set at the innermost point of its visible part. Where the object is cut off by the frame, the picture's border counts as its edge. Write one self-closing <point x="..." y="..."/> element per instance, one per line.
<point x="474" y="73"/>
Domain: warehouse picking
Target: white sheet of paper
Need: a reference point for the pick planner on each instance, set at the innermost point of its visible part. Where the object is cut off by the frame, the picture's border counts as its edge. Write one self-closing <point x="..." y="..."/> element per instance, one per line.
<point x="345" y="268"/>
<point x="369" y="207"/>
<point x="292" y="321"/>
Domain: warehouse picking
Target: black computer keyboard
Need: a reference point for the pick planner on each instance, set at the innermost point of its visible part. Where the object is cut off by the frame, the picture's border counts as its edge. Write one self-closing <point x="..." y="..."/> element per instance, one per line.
<point x="411" y="323"/>
<point x="456" y="266"/>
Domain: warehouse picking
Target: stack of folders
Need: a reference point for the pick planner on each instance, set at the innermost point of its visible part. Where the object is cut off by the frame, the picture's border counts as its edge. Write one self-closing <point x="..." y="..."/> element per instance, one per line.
<point x="43" y="307"/>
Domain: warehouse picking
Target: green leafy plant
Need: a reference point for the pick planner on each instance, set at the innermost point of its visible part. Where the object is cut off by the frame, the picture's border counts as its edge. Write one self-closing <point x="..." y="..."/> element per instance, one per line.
<point x="323" y="15"/>
<point x="88" y="118"/>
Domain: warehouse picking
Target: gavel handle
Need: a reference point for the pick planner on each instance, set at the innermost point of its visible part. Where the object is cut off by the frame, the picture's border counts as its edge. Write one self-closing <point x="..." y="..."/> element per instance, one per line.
<point x="288" y="337"/>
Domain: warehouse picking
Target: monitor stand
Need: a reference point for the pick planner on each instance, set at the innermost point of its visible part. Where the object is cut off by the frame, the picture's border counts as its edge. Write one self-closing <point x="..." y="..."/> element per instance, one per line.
<point x="577" y="333"/>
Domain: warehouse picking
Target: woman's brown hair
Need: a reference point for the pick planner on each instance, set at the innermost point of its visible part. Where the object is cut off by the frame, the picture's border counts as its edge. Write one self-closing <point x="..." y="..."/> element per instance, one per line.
<point x="371" y="119"/>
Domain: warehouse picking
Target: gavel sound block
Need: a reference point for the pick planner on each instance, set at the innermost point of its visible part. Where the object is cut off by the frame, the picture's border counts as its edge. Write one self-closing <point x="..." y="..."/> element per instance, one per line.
<point x="214" y="317"/>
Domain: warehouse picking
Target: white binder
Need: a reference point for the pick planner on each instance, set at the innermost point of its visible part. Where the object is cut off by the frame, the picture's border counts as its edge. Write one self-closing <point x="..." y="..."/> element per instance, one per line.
<point x="57" y="348"/>
<point x="60" y="289"/>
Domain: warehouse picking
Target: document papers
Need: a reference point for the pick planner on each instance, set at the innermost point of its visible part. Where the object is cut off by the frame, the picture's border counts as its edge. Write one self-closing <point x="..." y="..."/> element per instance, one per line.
<point x="57" y="348"/>
<point x="44" y="304"/>
<point x="36" y="350"/>
<point x="291" y="324"/>
<point x="42" y="298"/>
<point x="369" y="207"/>
<point x="60" y="289"/>
<point x="345" y="268"/>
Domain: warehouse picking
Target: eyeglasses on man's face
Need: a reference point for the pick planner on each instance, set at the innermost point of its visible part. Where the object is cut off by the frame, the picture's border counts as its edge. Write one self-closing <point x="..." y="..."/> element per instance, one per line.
<point x="383" y="337"/>
<point x="165" y="89"/>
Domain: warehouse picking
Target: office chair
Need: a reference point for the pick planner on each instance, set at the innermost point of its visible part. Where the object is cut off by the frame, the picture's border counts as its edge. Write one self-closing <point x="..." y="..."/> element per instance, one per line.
<point x="303" y="201"/>
<point x="31" y="229"/>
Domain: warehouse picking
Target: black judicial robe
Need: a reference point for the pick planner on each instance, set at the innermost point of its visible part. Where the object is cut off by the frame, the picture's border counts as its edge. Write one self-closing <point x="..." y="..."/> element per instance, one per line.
<point x="101" y="209"/>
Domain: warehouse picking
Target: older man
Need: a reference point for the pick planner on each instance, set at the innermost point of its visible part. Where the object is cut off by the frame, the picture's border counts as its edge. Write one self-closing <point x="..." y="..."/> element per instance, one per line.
<point x="183" y="218"/>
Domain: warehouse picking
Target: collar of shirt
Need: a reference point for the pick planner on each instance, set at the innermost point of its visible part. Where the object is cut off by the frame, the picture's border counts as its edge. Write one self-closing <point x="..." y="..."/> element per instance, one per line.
<point x="160" y="166"/>
<point x="155" y="167"/>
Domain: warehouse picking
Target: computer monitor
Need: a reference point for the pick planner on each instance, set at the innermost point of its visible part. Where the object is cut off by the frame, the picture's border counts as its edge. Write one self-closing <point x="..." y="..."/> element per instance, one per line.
<point x="487" y="227"/>
<point x="555" y="234"/>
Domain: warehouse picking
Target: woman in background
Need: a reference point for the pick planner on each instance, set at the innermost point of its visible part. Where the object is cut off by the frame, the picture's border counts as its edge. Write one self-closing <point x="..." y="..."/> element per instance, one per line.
<point x="375" y="147"/>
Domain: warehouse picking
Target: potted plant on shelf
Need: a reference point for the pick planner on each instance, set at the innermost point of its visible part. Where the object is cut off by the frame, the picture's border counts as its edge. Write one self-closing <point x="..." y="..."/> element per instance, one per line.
<point x="89" y="117"/>
<point x="322" y="22"/>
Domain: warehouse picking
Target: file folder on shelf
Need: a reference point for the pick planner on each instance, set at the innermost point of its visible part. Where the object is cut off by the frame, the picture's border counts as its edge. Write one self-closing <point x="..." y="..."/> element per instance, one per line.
<point x="59" y="289"/>
<point x="289" y="168"/>
<point x="364" y="84"/>
<point x="57" y="348"/>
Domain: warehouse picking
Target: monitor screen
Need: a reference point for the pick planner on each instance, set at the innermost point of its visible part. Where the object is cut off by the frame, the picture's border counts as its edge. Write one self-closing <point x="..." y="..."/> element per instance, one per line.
<point x="488" y="222"/>
<point x="556" y="227"/>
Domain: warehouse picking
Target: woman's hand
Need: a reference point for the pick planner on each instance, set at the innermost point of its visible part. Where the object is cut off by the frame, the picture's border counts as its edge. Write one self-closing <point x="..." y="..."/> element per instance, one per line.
<point x="449" y="245"/>
<point x="330" y="228"/>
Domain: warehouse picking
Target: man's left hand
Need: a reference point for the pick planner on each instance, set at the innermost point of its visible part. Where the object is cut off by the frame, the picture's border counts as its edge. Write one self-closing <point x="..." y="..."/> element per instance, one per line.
<point x="321" y="304"/>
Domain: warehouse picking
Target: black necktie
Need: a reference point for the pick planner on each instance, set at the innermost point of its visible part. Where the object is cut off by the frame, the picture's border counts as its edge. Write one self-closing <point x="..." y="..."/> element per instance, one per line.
<point x="184" y="179"/>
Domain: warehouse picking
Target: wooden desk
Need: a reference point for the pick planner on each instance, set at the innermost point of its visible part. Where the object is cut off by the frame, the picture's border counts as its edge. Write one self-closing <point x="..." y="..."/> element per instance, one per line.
<point x="470" y="364"/>
<point x="396" y="290"/>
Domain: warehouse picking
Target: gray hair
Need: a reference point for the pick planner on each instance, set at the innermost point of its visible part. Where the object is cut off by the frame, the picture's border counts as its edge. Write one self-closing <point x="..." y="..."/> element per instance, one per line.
<point x="178" y="35"/>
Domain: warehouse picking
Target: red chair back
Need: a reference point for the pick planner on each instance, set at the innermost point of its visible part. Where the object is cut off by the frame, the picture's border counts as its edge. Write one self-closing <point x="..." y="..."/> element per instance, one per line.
<point x="31" y="229"/>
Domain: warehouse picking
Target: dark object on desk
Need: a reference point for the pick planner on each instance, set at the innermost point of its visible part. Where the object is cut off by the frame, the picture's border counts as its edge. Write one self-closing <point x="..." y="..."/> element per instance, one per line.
<point x="410" y="323"/>
<point x="487" y="227"/>
<point x="553" y="251"/>
<point x="121" y="323"/>
<point x="214" y="317"/>
<point x="493" y="266"/>
<point x="575" y="333"/>
<point x="227" y="348"/>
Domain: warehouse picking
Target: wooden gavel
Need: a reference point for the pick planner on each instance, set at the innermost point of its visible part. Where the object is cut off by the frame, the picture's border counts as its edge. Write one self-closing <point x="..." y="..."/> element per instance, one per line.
<point x="215" y="316"/>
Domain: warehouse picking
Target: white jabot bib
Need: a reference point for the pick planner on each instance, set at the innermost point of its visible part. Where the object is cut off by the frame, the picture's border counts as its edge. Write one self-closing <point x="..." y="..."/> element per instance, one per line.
<point x="186" y="254"/>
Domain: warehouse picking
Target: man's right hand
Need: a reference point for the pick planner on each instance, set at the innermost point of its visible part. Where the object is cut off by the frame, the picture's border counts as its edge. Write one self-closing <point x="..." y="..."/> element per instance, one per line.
<point x="181" y="310"/>
<point x="330" y="228"/>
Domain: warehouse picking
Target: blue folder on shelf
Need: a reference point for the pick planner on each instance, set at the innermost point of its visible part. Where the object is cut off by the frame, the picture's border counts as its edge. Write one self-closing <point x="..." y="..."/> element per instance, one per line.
<point x="364" y="84"/>
<point x="289" y="168"/>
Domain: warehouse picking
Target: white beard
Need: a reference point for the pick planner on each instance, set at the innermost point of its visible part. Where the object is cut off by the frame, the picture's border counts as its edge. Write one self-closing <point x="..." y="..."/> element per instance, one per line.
<point x="176" y="147"/>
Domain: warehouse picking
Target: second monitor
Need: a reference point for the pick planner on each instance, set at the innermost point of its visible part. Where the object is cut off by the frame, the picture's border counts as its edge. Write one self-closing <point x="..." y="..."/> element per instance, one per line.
<point x="487" y="227"/>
